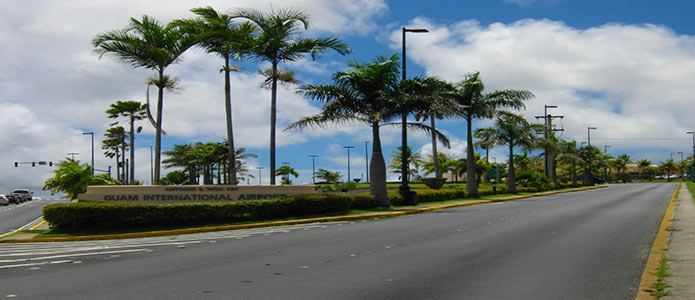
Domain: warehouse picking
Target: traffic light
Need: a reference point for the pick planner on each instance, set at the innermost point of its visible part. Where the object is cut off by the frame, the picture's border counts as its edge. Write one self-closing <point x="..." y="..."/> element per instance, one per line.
<point x="16" y="164"/>
<point x="33" y="164"/>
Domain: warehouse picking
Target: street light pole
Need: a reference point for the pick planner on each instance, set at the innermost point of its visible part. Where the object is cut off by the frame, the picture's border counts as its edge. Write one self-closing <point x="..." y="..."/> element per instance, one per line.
<point x="404" y="188"/>
<point x="259" y="174"/>
<point x="313" y="167"/>
<point x="348" y="149"/>
<point x="92" y="134"/>
<point x="693" y="134"/>
<point x="590" y="180"/>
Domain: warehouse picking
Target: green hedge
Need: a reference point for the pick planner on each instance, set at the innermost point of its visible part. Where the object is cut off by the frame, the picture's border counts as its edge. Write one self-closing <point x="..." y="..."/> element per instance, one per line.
<point x="114" y="216"/>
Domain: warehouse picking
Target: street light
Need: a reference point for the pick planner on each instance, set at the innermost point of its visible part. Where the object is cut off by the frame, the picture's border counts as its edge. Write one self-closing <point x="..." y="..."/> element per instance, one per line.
<point x="366" y="160"/>
<point x="348" y="149"/>
<point x="313" y="167"/>
<point x="590" y="180"/>
<point x="92" y="134"/>
<point x="693" y="134"/>
<point x="404" y="188"/>
<point x="259" y="174"/>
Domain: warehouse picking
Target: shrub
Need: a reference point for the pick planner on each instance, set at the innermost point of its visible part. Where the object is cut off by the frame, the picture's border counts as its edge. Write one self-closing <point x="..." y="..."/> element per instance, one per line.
<point x="114" y="216"/>
<point x="533" y="180"/>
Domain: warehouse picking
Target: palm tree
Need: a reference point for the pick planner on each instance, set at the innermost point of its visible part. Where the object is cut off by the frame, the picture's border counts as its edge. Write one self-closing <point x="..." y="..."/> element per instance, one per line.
<point x="328" y="176"/>
<point x="115" y="145"/>
<point x="512" y="130"/>
<point x="442" y="158"/>
<point x="477" y="105"/>
<point x="277" y="43"/>
<point x="414" y="161"/>
<point x="668" y="166"/>
<point x="570" y="154"/>
<point x="285" y="171"/>
<point x="641" y="164"/>
<point x="229" y="40"/>
<point x="363" y="93"/>
<point x="148" y="44"/>
<point x="73" y="179"/>
<point x="182" y="156"/>
<point x="621" y="162"/>
<point x="133" y="111"/>
<point x="437" y="104"/>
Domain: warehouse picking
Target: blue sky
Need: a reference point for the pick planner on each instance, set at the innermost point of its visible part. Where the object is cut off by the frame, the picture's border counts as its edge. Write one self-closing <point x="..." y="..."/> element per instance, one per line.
<point x="626" y="67"/>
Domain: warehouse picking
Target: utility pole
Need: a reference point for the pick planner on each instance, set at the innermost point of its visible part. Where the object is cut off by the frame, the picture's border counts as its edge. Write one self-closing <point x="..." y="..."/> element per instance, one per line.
<point x="72" y="155"/>
<point x="547" y="133"/>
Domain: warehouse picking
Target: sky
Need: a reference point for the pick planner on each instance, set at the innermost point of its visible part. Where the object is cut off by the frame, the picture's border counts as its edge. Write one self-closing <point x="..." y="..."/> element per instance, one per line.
<point x="626" y="67"/>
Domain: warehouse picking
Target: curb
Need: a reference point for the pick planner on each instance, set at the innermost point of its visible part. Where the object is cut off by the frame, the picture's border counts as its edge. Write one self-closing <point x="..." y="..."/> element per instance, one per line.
<point x="657" y="251"/>
<point x="388" y="214"/>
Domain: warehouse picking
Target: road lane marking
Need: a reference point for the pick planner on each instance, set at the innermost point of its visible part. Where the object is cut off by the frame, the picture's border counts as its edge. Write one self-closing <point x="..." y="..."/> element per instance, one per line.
<point x="37" y="225"/>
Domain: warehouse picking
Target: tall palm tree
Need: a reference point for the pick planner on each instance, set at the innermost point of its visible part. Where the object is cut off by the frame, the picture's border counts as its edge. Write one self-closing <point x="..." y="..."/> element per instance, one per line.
<point x="512" y="130"/>
<point x="437" y="104"/>
<point x="228" y="39"/>
<point x="133" y="111"/>
<point x="366" y="93"/>
<point x="478" y="105"/>
<point x="115" y="144"/>
<point x="278" y="42"/>
<point x="146" y="43"/>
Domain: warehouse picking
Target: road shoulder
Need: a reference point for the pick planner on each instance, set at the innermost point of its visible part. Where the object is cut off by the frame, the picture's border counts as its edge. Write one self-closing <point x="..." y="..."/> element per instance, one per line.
<point x="681" y="248"/>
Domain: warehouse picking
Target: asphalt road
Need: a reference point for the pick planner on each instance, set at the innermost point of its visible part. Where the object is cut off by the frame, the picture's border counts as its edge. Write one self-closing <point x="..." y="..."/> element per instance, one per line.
<point x="14" y="216"/>
<point x="583" y="245"/>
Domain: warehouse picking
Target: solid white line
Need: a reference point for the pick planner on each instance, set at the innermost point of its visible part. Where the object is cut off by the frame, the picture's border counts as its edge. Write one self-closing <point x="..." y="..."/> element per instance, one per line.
<point x="70" y="255"/>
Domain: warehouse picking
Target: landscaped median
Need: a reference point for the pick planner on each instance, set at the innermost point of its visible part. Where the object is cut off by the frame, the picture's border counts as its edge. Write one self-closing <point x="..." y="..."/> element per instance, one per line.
<point x="84" y="221"/>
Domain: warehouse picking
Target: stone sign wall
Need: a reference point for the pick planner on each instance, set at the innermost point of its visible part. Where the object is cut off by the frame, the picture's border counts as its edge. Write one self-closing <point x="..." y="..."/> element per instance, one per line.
<point x="189" y="193"/>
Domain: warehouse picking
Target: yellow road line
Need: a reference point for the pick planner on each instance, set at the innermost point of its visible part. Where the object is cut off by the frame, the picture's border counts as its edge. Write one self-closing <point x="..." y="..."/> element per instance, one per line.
<point x="658" y="247"/>
<point x="37" y="225"/>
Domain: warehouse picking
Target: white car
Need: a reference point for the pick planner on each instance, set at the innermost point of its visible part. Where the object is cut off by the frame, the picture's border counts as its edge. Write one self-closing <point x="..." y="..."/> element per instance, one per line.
<point x="4" y="201"/>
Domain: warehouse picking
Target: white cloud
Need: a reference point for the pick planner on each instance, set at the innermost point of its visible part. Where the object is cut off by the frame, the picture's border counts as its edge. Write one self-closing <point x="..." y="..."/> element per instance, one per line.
<point x="630" y="81"/>
<point x="54" y="86"/>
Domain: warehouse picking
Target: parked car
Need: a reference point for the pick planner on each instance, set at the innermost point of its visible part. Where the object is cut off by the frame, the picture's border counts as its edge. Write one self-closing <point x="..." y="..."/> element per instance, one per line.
<point x="24" y="192"/>
<point x="14" y="198"/>
<point x="4" y="201"/>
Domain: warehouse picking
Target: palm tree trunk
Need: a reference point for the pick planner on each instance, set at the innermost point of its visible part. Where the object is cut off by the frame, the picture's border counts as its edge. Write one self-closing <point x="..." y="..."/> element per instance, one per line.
<point x="132" y="150"/>
<point x="118" y="168"/>
<point x="158" y="134"/>
<point x="471" y="184"/>
<point x="273" y="107"/>
<point x="574" y="174"/>
<point x="435" y="157"/>
<point x="124" y="171"/>
<point x="228" y="111"/>
<point x="377" y="168"/>
<point x="511" y="180"/>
